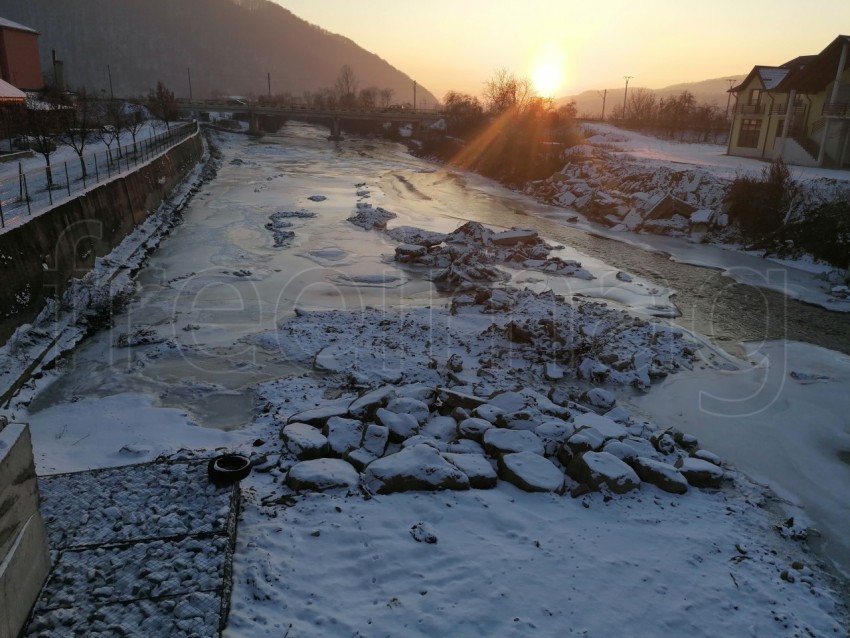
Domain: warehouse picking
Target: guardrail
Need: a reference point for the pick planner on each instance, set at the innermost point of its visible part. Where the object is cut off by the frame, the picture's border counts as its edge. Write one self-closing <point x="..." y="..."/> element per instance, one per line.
<point x="31" y="192"/>
<point x="837" y="109"/>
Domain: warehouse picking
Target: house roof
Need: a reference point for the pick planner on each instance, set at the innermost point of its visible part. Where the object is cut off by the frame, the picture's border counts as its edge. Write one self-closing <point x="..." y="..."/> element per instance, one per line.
<point x="8" y="24"/>
<point x="769" y="76"/>
<point x="814" y="75"/>
<point x="10" y="93"/>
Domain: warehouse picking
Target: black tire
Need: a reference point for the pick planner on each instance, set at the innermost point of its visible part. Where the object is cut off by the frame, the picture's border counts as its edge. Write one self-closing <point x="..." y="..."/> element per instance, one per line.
<point x="228" y="468"/>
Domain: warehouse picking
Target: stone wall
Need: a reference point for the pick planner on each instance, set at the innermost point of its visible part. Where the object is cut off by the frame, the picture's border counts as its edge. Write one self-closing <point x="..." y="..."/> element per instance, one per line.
<point x="38" y="259"/>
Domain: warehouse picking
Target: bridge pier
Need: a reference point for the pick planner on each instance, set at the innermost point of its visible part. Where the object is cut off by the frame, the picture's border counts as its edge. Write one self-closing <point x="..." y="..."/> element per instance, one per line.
<point x="254" y="124"/>
<point x="336" y="130"/>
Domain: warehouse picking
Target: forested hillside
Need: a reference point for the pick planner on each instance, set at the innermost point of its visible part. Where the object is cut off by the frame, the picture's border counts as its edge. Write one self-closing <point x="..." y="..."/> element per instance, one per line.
<point x="228" y="46"/>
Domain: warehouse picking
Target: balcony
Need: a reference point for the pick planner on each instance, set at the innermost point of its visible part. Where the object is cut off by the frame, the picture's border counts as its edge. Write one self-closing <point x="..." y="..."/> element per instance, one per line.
<point x="838" y="110"/>
<point x="749" y="109"/>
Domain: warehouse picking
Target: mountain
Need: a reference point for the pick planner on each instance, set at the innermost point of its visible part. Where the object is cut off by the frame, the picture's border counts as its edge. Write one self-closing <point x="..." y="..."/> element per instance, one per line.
<point x="226" y="46"/>
<point x="589" y="103"/>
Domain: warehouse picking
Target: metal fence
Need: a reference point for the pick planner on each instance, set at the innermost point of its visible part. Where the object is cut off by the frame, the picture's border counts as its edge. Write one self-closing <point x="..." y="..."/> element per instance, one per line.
<point x="34" y="191"/>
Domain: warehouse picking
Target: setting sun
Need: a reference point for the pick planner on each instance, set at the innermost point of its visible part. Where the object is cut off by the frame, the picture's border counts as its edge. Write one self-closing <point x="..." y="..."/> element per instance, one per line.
<point x="548" y="72"/>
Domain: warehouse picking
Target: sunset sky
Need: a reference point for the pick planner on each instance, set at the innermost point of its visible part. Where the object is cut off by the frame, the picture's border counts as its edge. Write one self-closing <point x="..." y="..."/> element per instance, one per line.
<point x="569" y="46"/>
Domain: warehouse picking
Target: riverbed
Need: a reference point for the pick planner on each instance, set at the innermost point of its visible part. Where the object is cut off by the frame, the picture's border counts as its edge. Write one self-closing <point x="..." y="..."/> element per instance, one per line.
<point x="268" y="237"/>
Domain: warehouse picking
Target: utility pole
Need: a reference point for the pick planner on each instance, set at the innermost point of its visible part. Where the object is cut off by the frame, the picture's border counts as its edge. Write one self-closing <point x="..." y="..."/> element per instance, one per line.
<point x="189" y="73"/>
<point x="627" y="77"/>
<point x="604" y="97"/>
<point x="414" y="95"/>
<point x="731" y="81"/>
<point x="109" y="73"/>
<point x="270" y="83"/>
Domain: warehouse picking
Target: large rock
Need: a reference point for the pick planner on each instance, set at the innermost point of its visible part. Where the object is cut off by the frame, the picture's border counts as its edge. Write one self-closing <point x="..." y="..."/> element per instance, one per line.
<point x="600" y="398"/>
<point x="343" y="435"/>
<point x="407" y="405"/>
<point x="477" y="468"/>
<point x="319" y="416"/>
<point x="401" y="426"/>
<point x="375" y="439"/>
<point x="365" y="405"/>
<point x="442" y="428"/>
<point x="598" y="469"/>
<point x="420" y="467"/>
<point x="304" y="441"/>
<point x="553" y="434"/>
<point x="498" y="441"/>
<point x="608" y="428"/>
<point x="322" y="474"/>
<point x="700" y="473"/>
<point x="585" y="440"/>
<point x="530" y="472"/>
<point x="662" y="475"/>
<point x="473" y="428"/>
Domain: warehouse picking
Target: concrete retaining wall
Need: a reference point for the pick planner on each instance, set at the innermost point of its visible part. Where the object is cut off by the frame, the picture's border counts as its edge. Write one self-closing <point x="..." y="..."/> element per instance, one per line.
<point x="24" y="556"/>
<point x="39" y="258"/>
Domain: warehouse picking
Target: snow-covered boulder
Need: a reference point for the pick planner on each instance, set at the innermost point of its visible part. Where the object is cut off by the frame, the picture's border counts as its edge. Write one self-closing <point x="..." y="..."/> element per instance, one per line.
<point x="498" y="441"/>
<point x="407" y="405"/>
<point x="608" y="428"/>
<point x="599" y="398"/>
<point x="442" y="428"/>
<point x="343" y="435"/>
<point x="530" y="472"/>
<point x="477" y="468"/>
<point x="304" y="441"/>
<point x="585" y="440"/>
<point x="369" y="218"/>
<point x="365" y="405"/>
<point x="662" y="475"/>
<point x="420" y="467"/>
<point x="474" y="428"/>
<point x="401" y="426"/>
<point x="700" y="473"/>
<point x="553" y="433"/>
<point x="319" y="415"/>
<point x="488" y="412"/>
<point x="598" y="469"/>
<point x="322" y="474"/>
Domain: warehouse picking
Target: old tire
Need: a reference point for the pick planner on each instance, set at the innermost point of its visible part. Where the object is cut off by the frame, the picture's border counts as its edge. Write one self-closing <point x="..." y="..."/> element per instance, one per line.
<point x="228" y="468"/>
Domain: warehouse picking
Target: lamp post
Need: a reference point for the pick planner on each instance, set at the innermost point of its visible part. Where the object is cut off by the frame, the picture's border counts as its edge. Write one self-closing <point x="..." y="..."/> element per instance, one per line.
<point x="625" y="93"/>
<point x="731" y="81"/>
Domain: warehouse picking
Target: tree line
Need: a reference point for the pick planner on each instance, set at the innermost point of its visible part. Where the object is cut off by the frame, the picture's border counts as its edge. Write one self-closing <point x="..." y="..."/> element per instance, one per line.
<point x="672" y="116"/>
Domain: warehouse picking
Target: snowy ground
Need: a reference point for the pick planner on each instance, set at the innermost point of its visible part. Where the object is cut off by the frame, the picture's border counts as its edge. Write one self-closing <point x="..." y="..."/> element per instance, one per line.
<point x="503" y="561"/>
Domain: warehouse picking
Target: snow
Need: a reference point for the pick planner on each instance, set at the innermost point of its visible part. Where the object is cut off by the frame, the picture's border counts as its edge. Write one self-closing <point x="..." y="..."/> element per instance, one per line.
<point x="359" y="561"/>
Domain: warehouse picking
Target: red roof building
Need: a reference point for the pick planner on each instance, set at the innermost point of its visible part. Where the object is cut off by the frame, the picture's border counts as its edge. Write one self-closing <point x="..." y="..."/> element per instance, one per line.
<point x="20" y="64"/>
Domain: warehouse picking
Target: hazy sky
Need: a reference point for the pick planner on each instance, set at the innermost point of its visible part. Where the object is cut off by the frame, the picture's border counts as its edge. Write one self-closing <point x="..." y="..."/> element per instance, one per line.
<point x="569" y="46"/>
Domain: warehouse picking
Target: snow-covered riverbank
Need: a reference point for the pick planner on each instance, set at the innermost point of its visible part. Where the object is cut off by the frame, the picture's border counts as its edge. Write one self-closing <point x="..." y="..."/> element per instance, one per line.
<point x="332" y="314"/>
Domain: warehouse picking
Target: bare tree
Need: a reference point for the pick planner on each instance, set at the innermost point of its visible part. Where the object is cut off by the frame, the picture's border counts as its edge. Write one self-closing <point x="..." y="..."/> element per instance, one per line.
<point x="504" y="91"/>
<point x="45" y="120"/>
<point x="162" y="104"/>
<point x="369" y="97"/>
<point x="641" y="108"/>
<point x="135" y="116"/>
<point x="346" y="86"/>
<point x="109" y="123"/>
<point x="386" y="97"/>
<point x="82" y="127"/>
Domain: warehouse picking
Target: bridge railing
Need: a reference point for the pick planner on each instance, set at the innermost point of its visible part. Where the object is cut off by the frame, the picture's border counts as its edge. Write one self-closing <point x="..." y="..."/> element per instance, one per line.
<point x="31" y="192"/>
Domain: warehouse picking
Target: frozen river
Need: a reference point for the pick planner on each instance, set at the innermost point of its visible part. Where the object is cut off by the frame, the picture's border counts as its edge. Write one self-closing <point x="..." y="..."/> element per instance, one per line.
<point x="220" y="279"/>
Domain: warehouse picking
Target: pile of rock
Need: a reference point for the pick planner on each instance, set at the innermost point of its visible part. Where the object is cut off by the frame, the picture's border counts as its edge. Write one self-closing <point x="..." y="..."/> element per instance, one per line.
<point x="398" y="438"/>
<point x="470" y="254"/>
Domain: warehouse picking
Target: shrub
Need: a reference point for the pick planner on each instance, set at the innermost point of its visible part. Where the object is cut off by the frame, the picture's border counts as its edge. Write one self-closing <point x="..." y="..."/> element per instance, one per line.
<point x="758" y="204"/>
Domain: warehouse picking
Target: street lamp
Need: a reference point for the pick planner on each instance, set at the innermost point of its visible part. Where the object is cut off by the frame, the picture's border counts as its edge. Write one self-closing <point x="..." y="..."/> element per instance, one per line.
<point x="627" y="77"/>
<point x="731" y="81"/>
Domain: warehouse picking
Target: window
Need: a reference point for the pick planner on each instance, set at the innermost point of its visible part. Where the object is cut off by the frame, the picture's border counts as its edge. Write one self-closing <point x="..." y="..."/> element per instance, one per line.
<point x="748" y="136"/>
<point x="755" y="96"/>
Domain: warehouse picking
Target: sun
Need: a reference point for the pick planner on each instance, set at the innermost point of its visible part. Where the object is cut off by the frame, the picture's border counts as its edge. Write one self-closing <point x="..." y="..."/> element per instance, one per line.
<point x="548" y="71"/>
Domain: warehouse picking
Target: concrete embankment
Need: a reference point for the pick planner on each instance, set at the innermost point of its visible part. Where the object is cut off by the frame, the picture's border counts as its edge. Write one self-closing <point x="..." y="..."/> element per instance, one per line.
<point x="38" y="259"/>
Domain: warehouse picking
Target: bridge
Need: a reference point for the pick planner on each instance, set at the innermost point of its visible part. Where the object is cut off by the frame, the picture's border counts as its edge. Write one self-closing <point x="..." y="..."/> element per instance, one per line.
<point x="417" y="117"/>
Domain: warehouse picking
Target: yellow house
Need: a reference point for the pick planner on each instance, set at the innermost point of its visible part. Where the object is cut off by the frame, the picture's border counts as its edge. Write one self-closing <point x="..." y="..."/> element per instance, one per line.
<point x="799" y="112"/>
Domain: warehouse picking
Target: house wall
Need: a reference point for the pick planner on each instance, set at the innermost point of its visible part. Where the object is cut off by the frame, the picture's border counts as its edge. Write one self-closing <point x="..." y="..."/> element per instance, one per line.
<point x="20" y="64"/>
<point x="742" y="100"/>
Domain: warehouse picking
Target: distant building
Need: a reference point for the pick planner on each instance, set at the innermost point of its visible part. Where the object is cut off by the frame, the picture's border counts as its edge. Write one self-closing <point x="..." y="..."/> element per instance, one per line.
<point x="20" y="64"/>
<point x="799" y="111"/>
